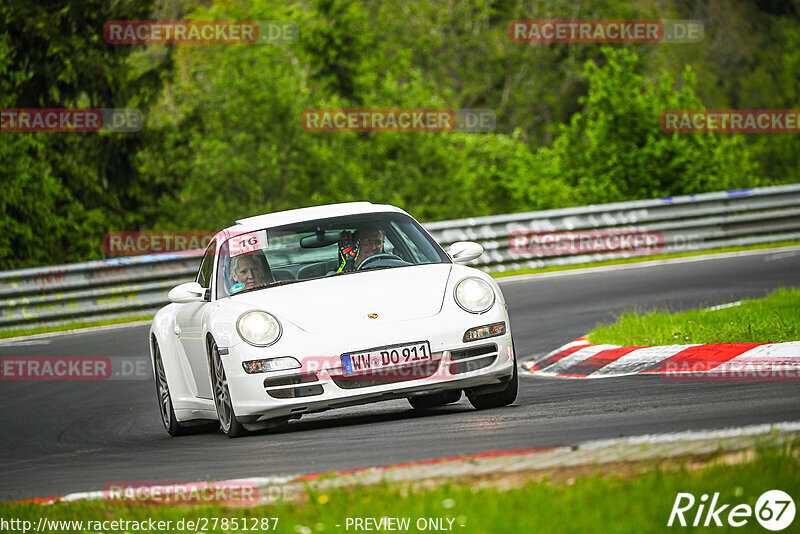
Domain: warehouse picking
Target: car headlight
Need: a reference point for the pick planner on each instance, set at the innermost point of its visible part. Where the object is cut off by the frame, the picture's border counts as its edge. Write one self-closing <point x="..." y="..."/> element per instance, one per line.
<point x="271" y="364"/>
<point x="482" y="332"/>
<point x="474" y="295"/>
<point x="258" y="328"/>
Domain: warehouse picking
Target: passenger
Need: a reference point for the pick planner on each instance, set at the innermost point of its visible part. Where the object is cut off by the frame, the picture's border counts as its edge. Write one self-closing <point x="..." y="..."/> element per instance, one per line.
<point x="248" y="272"/>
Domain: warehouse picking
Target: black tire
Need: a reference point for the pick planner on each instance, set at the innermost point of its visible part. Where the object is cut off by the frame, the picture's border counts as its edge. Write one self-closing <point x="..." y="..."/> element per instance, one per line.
<point x="435" y="400"/>
<point x="497" y="399"/>
<point x="222" y="397"/>
<point x="168" y="419"/>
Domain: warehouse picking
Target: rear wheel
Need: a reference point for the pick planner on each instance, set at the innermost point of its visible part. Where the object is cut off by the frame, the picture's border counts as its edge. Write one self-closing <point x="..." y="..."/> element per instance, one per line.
<point x="222" y="397"/>
<point x="435" y="400"/>
<point x="500" y="398"/>
<point x="168" y="418"/>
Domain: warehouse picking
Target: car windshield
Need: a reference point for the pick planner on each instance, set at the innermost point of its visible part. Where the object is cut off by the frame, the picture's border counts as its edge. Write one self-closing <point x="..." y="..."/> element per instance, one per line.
<point x="323" y="248"/>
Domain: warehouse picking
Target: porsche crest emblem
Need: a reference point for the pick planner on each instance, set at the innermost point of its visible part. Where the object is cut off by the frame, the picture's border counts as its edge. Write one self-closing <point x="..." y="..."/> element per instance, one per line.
<point x="372" y="315"/>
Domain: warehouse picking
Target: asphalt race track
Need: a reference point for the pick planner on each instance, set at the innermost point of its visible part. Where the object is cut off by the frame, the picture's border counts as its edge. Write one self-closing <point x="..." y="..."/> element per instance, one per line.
<point x="68" y="436"/>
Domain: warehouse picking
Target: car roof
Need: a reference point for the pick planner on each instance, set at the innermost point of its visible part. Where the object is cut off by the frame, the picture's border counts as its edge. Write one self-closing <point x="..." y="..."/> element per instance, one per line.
<point x="280" y="218"/>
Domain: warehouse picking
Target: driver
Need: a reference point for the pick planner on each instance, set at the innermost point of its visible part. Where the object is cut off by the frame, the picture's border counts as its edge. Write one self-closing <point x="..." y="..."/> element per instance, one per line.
<point x="370" y="242"/>
<point x="367" y="241"/>
<point x="247" y="272"/>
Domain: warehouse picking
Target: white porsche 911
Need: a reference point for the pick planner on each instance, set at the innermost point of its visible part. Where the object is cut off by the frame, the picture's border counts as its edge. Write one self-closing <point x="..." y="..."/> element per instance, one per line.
<point x="306" y="310"/>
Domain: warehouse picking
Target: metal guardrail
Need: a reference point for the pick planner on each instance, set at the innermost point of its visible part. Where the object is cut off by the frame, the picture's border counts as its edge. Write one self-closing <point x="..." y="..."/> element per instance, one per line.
<point x="138" y="285"/>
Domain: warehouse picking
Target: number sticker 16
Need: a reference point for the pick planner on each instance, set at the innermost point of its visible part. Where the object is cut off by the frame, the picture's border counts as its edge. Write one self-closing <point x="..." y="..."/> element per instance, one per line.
<point x="248" y="243"/>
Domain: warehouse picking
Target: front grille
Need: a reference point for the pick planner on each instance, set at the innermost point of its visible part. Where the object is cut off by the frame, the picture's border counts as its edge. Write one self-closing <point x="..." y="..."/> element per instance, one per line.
<point x="472" y="359"/>
<point x="387" y="376"/>
<point x="291" y="393"/>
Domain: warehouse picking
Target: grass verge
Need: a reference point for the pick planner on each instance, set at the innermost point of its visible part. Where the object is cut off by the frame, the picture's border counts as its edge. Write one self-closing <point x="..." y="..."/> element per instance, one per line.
<point x="639" y="502"/>
<point x="640" y="259"/>
<point x="775" y="318"/>
<point x="74" y="325"/>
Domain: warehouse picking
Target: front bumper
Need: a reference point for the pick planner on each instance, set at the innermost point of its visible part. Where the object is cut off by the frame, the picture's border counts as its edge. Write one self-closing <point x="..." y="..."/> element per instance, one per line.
<point x="319" y="384"/>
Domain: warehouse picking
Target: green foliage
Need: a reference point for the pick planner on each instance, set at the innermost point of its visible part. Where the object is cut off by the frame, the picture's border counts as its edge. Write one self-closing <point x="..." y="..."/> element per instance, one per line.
<point x="748" y="59"/>
<point x="39" y="218"/>
<point x="576" y="123"/>
<point x="62" y="191"/>
<point x="338" y="38"/>
<point x="271" y="163"/>
<point x="775" y="85"/>
<point x="614" y="150"/>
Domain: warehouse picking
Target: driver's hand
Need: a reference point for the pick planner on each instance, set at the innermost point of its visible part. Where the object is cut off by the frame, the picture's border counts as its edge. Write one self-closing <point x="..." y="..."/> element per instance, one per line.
<point x="348" y="252"/>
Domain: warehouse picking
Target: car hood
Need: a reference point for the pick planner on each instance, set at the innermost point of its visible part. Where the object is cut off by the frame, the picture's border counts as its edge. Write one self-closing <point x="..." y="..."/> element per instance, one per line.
<point x="333" y="303"/>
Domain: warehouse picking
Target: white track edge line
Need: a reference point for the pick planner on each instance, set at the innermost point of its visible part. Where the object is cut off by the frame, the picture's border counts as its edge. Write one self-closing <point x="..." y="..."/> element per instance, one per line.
<point x="643" y="264"/>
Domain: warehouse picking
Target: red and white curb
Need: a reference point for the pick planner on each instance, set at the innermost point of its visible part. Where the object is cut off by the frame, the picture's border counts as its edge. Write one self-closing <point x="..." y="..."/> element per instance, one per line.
<point x="746" y="361"/>
<point x="632" y="448"/>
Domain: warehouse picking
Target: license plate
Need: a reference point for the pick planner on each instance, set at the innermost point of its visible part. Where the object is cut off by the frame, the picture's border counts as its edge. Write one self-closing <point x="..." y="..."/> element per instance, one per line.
<point x="385" y="357"/>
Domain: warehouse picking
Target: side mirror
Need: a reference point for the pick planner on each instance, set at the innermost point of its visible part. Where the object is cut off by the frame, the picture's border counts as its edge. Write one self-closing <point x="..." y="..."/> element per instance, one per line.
<point x="464" y="251"/>
<point x="188" y="292"/>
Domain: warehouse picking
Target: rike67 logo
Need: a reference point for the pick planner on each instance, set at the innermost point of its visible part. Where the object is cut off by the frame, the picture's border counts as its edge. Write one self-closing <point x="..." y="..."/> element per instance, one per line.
<point x="774" y="510"/>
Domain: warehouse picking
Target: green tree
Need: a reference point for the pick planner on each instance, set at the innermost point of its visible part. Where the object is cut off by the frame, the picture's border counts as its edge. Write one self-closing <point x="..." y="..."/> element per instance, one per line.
<point x="237" y="152"/>
<point x="40" y="221"/>
<point x="54" y="56"/>
<point x="614" y="149"/>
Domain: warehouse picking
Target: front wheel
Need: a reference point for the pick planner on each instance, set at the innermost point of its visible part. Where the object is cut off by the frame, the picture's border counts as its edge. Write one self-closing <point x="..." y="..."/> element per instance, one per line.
<point x="222" y="397"/>
<point x="503" y="397"/>
<point x="168" y="419"/>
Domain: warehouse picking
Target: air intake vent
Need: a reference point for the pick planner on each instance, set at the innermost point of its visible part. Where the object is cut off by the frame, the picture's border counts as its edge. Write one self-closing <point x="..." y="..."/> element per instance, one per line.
<point x="283" y="387"/>
<point x="472" y="359"/>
